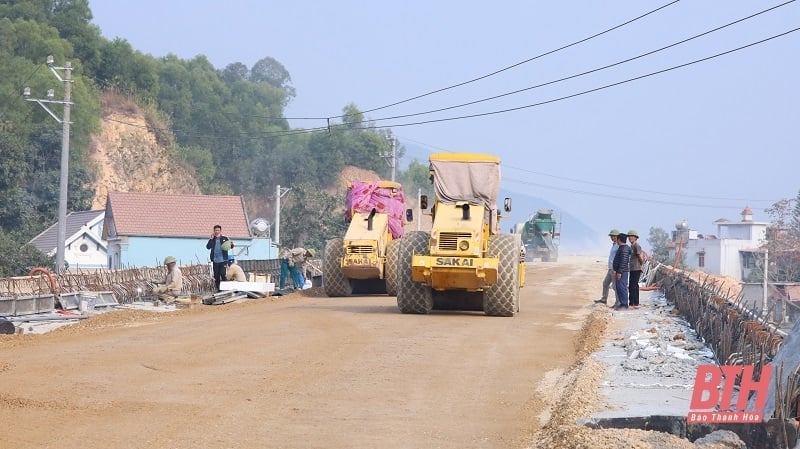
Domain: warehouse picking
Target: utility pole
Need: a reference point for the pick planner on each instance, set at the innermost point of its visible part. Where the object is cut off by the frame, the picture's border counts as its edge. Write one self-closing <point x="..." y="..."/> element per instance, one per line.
<point x="279" y="193"/>
<point x="765" y="297"/>
<point x="62" y="190"/>
<point x="392" y="157"/>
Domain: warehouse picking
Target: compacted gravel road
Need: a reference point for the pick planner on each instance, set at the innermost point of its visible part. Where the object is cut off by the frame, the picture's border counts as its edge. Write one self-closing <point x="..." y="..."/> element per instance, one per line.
<point x="300" y="371"/>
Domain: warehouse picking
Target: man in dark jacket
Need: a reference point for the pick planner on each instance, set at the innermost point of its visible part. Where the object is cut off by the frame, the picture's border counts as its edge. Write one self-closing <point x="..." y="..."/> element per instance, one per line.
<point x="622" y="268"/>
<point x="219" y="246"/>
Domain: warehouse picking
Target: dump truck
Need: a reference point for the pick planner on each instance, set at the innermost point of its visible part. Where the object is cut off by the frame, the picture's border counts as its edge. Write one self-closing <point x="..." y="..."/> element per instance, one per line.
<point x="359" y="262"/>
<point x="540" y="235"/>
<point x="464" y="262"/>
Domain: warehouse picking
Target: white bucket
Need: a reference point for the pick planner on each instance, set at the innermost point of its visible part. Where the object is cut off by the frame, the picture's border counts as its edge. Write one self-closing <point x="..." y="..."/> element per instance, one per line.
<point x="86" y="303"/>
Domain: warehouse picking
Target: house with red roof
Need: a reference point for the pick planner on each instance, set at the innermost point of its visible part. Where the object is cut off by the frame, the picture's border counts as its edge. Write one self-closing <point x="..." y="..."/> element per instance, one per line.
<point x="141" y="229"/>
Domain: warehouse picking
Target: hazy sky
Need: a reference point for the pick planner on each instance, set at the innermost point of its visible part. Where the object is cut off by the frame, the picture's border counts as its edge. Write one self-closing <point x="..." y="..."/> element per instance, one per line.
<point x="699" y="142"/>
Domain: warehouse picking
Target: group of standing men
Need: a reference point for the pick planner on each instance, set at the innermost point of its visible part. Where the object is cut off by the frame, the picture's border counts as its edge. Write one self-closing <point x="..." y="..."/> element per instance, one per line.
<point x="625" y="264"/>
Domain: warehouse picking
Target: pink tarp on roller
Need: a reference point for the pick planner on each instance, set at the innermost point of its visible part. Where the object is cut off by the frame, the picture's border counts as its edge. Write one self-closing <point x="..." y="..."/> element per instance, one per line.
<point x="364" y="196"/>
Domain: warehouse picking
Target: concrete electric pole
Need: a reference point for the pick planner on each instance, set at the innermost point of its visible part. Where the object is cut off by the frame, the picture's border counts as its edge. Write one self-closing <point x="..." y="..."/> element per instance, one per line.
<point x="62" y="190"/>
<point x="279" y="193"/>
<point x="392" y="157"/>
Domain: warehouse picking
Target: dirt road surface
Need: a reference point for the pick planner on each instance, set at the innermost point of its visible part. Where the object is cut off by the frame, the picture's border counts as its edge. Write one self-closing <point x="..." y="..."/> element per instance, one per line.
<point x="300" y="371"/>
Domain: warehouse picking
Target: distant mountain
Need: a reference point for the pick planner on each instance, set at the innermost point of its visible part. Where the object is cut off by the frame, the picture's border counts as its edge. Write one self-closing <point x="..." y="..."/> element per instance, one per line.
<point x="576" y="236"/>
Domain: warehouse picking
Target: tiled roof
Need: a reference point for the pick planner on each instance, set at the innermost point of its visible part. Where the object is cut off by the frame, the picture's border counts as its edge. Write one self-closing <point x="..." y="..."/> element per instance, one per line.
<point x="168" y="215"/>
<point x="46" y="241"/>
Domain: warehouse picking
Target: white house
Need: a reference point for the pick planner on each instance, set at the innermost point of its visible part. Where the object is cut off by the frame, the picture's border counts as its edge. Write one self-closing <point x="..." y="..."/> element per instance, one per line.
<point x="85" y="248"/>
<point x="731" y="252"/>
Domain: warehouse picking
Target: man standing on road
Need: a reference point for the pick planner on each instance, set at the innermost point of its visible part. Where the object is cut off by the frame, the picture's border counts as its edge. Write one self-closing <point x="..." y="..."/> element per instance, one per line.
<point x="622" y="268"/>
<point x="219" y="246"/>
<point x="609" y="279"/>
<point x="637" y="259"/>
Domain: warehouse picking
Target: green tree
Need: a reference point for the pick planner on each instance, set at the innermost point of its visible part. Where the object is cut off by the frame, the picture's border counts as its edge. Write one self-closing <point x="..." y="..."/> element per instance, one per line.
<point x="35" y="10"/>
<point x="73" y="19"/>
<point x="234" y="72"/>
<point x="417" y="177"/>
<point x="311" y="217"/>
<point x="17" y="259"/>
<point x="269" y="70"/>
<point x="127" y="70"/>
<point x="659" y="244"/>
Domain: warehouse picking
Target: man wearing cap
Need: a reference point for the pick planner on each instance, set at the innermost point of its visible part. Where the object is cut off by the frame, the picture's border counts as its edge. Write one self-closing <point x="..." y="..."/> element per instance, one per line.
<point x="172" y="285"/>
<point x="609" y="279"/>
<point x="622" y="268"/>
<point x="297" y="265"/>
<point x="637" y="259"/>
<point x="234" y="271"/>
<point x="219" y="246"/>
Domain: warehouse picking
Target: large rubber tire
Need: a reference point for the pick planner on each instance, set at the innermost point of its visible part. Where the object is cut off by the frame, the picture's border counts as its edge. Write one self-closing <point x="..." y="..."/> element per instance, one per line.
<point x="502" y="298"/>
<point x="333" y="280"/>
<point x="412" y="297"/>
<point x="390" y="269"/>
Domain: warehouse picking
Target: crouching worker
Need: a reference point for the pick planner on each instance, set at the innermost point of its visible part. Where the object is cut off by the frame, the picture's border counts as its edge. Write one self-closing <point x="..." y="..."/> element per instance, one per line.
<point x="298" y="266"/>
<point x="234" y="271"/>
<point x="172" y="285"/>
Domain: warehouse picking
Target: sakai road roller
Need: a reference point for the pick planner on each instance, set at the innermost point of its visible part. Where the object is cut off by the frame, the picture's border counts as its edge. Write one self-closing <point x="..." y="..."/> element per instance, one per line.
<point x="464" y="262"/>
<point x="364" y="261"/>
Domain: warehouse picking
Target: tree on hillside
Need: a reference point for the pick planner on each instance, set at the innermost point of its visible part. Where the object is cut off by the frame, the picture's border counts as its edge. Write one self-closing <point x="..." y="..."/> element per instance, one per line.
<point x="311" y="217"/>
<point x="127" y="70"/>
<point x="417" y="177"/>
<point x="269" y="70"/>
<point x="73" y="19"/>
<point x="234" y="72"/>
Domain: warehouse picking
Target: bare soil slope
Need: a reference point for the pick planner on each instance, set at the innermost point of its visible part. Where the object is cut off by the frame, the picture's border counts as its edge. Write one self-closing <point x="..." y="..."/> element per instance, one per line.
<point x="128" y="157"/>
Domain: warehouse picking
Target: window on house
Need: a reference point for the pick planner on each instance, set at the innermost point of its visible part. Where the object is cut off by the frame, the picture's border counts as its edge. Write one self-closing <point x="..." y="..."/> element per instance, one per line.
<point x="701" y="259"/>
<point x="84" y="247"/>
<point x="749" y="260"/>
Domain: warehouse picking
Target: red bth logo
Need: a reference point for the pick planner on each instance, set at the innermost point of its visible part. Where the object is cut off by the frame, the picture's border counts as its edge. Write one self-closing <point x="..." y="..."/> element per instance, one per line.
<point x="714" y="389"/>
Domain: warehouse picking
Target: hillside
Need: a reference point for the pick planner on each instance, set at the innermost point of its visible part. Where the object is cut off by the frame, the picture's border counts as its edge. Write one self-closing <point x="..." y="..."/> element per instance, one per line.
<point x="128" y="157"/>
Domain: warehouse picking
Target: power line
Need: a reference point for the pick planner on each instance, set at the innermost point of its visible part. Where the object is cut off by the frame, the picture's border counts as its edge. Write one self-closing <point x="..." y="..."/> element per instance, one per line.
<point x="600" y="184"/>
<point x="495" y="112"/>
<point x="522" y="62"/>
<point x="598" y="69"/>
<point x="488" y="75"/>
<point x="566" y="97"/>
<point x="627" y="198"/>
<point x="634" y="189"/>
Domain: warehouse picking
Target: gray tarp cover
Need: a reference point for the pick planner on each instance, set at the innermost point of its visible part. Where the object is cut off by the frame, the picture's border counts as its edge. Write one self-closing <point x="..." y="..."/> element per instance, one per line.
<point x="477" y="182"/>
